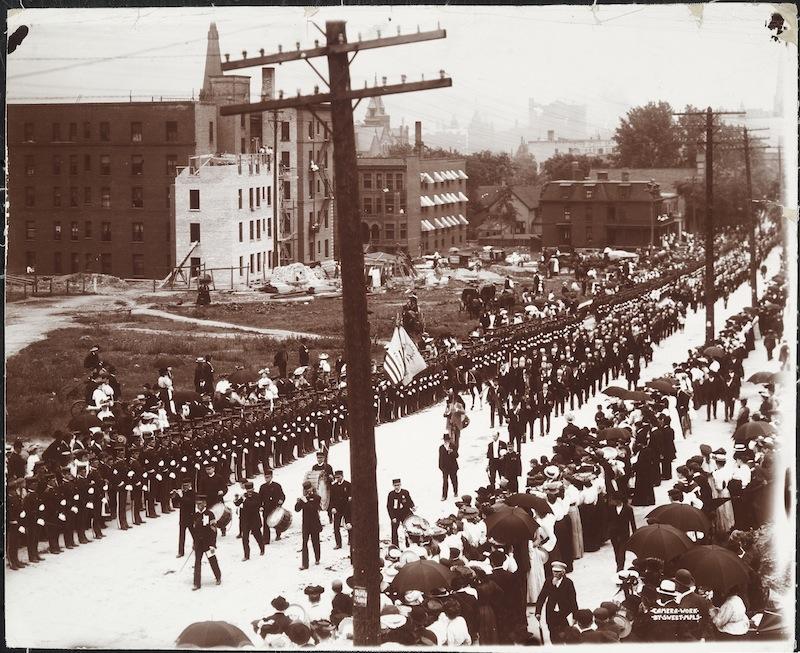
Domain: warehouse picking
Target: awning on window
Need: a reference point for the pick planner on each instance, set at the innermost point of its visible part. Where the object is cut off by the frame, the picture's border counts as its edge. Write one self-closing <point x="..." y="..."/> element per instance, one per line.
<point x="426" y="226"/>
<point x="438" y="177"/>
<point x="439" y="224"/>
<point x="425" y="178"/>
<point x="425" y="201"/>
<point x="438" y="200"/>
<point x="462" y="219"/>
<point x="462" y="197"/>
<point x="462" y="175"/>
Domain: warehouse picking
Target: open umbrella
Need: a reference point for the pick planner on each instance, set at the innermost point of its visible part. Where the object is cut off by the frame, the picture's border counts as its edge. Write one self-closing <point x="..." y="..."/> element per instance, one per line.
<point x="752" y="430"/>
<point x="715" y="567"/>
<point x="684" y="517"/>
<point x="659" y="541"/>
<point x="300" y="370"/>
<point x="84" y="422"/>
<point x="762" y="377"/>
<point x="185" y="396"/>
<point x="511" y="525"/>
<point x="715" y="352"/>
<point x="663" y="386"/>
<point x="422" y="575"/>
<point x="615" y="391"/>
<point x="529" y="501"/>
<point x="613" y="434"/>
<point x="637" y="395"/>
<point x="211" y="634"/>
<point x="240" y="377"/>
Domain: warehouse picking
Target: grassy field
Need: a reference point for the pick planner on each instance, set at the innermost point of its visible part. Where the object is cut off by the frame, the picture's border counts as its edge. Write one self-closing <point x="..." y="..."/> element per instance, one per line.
<point x="38" y="376"/>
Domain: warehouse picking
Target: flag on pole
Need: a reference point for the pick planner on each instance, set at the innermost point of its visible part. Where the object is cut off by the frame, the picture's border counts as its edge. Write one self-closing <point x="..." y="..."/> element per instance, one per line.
<point x="402" y="361"/>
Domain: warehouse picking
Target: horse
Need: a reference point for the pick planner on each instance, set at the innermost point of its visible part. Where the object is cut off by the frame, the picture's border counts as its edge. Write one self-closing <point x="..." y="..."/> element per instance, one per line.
<point x="467" y="295"/>
<point x="488" y="293"/>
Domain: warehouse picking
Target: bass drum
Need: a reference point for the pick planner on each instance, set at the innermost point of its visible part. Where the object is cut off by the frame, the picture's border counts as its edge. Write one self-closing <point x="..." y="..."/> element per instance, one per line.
<point x="222" y="515"/>
<point x="280" y="519"/>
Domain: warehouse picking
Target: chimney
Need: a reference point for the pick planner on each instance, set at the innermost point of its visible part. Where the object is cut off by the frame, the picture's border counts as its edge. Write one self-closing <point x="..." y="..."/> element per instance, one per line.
<point x="625" y="176"/>
<point x="602" y="175"/>
<point x="418" y="137"/>
<point x="551" y="135"/>
<point x="267" y="83"/>
<point x="576" y="171"/>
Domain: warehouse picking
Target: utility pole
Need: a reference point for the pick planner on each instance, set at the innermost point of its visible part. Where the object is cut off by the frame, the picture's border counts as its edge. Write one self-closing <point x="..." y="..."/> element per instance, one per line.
<point x="751" y="224"/>
<point x="365" y="551"/>
<point x="710" y="298"/>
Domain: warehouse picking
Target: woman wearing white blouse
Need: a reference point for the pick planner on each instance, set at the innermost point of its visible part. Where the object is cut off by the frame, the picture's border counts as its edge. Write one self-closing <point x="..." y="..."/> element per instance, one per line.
<point x="572" y="499"/>
<point x="731" y="618"/>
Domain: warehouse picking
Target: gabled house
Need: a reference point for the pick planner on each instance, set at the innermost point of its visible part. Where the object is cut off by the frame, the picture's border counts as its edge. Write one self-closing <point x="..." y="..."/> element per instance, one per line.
<point x="508" y="216"/>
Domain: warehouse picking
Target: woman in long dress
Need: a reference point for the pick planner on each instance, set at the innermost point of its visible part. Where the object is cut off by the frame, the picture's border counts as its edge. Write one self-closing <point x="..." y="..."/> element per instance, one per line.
<point x="541" y="549"/>
<point x="489" y="595"/>
<point x="648" y="475"/>
<point x="722" y="518"/>
<point x="590" y="515"/>
<point x="573" y="498"/>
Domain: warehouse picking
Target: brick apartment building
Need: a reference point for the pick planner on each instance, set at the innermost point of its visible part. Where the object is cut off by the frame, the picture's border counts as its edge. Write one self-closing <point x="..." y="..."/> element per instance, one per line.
<point x="598" y="213"/>
<point x="413" y="204"/>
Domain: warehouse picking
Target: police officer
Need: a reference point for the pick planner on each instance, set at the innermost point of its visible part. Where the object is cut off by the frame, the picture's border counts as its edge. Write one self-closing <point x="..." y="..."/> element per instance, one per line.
<point x="400" y="506"/>
<point x="249" y="518"/>
<point x="204" y="533"/>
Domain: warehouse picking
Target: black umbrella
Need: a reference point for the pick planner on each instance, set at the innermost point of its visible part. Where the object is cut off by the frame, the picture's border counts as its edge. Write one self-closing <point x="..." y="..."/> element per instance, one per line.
<point x="684" y="517"/>
<point x="659" y="541"/>
<point x="613" y="434"/>
<point x="511" y="525"/>
<point x="715" y="567"/>
<point x="422" y="575"/>
<point x="212" y="634"/>
<point x="84" y="422"/>
<point x="531" y="501"/>
<point x="752" y="430"/>
<point x="762" y="377"/>
<point x="715" y="352"/>
<point x="185" y="396"/>
<point x="615" y="391"/>
<point x="664" y="386"/>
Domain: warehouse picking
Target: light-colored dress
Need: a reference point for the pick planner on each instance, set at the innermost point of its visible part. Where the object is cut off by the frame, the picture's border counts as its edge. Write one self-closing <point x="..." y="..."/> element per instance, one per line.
<point x="722" y="517"/>
<point x="572" y="496"/>
<point x="536" y="577"/>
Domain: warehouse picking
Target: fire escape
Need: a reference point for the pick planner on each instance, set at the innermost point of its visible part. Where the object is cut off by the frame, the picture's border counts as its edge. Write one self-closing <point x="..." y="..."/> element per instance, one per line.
<point x="319" y="171"/>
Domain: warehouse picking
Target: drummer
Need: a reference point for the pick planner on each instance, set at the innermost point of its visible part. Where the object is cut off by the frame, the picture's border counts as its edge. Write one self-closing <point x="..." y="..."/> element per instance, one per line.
<point x="214" y="487"/>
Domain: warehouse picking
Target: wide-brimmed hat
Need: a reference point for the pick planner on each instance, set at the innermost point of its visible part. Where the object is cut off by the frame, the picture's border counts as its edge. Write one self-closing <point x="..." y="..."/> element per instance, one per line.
<point x="279" y="603"/>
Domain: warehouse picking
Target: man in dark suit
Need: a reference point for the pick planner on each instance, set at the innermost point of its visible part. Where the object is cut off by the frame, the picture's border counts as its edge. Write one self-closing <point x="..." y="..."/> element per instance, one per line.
<point x="559" y="594"/>
<point x="689" y="599"/>
<point x="400" y="506"/>
<point x="272" y="497"/>
<point x="510" y="610"/>
<point x="341" y="603"/>
<point x="184" y="500"/>
<point x="281" y="360"/>
<point x="16" y="463"/>
<point x="448" y="465"/>
<point x="309" y="505"/>
<point x="204" y="533"/>
<point x="493" y="457"/>
<point x="621" y="525"/>
<point x="341" y="495"/>
<point x="250" y="518"/>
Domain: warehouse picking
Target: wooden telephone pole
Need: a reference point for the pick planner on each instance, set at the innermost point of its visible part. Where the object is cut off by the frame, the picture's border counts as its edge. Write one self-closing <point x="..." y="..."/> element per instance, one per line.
<point x="365" y="551"/>
<point x="710" y="296"/>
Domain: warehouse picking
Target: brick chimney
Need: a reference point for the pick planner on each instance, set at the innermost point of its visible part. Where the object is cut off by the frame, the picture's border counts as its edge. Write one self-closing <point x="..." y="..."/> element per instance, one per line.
<point x="625" y="176"/>
<point x="267" y="83"/>
<point x="602" y="175"/>
<point x="551" y="135"/>
<point x="418" y="137"/>
<point x="576" y="171"/>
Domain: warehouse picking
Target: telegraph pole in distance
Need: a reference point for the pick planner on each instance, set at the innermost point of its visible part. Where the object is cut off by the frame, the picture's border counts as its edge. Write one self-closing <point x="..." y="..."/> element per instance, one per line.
<point x="751" y="224"/>
<point x="365" y="550"/>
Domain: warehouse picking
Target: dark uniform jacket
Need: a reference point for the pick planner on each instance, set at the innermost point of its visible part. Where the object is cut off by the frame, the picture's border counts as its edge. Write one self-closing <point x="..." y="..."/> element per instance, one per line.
<point x="341" y="494"/>
<point x="271" y="495"/>
<point x="204" y="530"/>
<point x="399" y="504"/>
<point x="310" y="509"/>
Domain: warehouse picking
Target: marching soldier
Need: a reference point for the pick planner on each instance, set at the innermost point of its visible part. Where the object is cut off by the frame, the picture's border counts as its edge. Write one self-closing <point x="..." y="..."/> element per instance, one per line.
<point x="341" y="495"/>
<point x="135" y="481"/>
<point x="119" y="487"/>
<point x="15" y="528"/>
<point x="184" y="500"/>
<point x="204" y="534"/>
<point x="272" y="497"/>
<point x="249" y="518"/>
<point x="95" y="494"/>
<point x="33" y="519"/>
<point x="309" y="505"/>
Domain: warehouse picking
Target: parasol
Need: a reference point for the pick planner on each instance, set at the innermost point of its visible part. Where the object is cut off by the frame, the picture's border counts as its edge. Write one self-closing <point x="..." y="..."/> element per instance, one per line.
<point x="684" y="517"/>
<point x="615" y="391"/>
<point x="715" y="567"/>
<point x="511" y="525"/>
<point x="422" y="575"/>
<point x="752" y="430"/>
<point x="663" y="386"/>
<point x="613" y="434"/>
<point x="762" y="377"/>
<point x="212" y="634"/>
<point x="715" y="351"/>
<point x="529" y="501"/>
<point x="659" y="541"/>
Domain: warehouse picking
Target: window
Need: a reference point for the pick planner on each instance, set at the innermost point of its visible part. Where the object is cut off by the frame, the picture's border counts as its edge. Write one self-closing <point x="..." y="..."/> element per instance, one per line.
<point x="73" y="196"/>
<point x="73" y="231"/>
<point x="172" y="131"/>
<point x="28" y="132"/>
<point x="136" y="132"/>
<point x="258" y="262"/>
<point x="388" y="230"/>
<point x="368" y="205"/>
<point x="377" y="204"/>
<point x="241" y="266"/>
<point x="105" y="131"/>
<point x="73" y="131"/>
<point x="56" y="196"/>
<point x="251" y="263"/>
<point x="211" y="132"/>
<point x="57" y="262"/>
<point x="105" y="232"/>
<point x="250" y="197"/>
<point x="240" y="198"/>
<point x="622" y="214"/>
<point x="389" y="203"/>
<point x="268" y="228"/>
<point x="389" y="182"/>
<point x="30" y="165"/>
<point x="258" y="229"/>
<point x="242" y="146"/>
<point x="565" y="233"/>
<point x="137" y="164"/>
<point x="366" y="180"/>
<point x="172" y="165"/>
<point x="588" y="233"/>
<point x="269" y="195"/>
<point x="327" y="253"/>
<point x="310" y="188"/>
<point x="105" y="263"/>
<point x="375" y="232"/>
<point x="325" y="218"/>
<point x="138" y="265"/>
<point x="87" y="162"/>
<point x="378" y="181"/>
<point x="137" y="232"/>
<point x="57" y="230"/>
<point x="624" y="192"/>
<point x="567" y="215"/>
<point x="30" y="230"/>
<point x="258" y="197"/>
<point x="285" y="160"/>
<point x="56" y="131"/>
<point x="319" y="247"/>
<point x="240" y="234"/>
<point x="30" y="196"/>
<point x="56" y="165"/>
<point x="398" y="181"/>
<point x="194" y="200"/>
<point x="403" y="231"/>
<point x="589" y="193"/>
<point x="87" y="195"/>
<point x="310" y="130"/>
<point x="611" y="214"/>
<point x="252" y="227"/>
<point x="194" y="232"/>
<point x="87" y="229"/>
<point x="566" y="192"/>
<point x="402" y="203"/>
<point x="105" y="197"/>
<point x="87" y="130"/>
<point x="310" y="158"/>
<point x="589" y="214"/>
<point x="137" y="197"/>
<point x="74" y="263"/>
<point x="73" y="164"/>
<point x="287" y="190"/>
<point x="105" y="164"/>
<point x="285" y="131"/>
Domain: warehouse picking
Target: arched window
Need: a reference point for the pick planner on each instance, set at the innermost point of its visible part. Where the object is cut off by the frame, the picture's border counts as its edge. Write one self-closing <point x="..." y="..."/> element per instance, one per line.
<point x="375" y="232"/>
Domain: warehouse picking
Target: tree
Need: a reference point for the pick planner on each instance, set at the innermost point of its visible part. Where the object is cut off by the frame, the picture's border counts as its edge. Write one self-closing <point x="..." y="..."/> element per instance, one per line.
<point x="504" y="210"/>
<point x="560" y="165"/>
<point x="524" y="170"/>
<point x="487" y="169"/>
<point x="648" y="137"/>
<point x="692" y="131"/>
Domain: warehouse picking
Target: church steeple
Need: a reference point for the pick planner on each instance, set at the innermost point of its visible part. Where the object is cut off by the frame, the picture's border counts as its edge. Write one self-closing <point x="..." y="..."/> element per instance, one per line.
<point x="213" y="62"/>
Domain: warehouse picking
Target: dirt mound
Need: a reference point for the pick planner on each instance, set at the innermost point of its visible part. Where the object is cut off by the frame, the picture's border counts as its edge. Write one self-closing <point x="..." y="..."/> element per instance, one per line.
<point x="297" y="274"/>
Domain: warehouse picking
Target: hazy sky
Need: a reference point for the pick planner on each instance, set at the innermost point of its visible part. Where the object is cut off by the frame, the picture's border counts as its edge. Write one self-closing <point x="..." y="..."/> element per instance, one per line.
<point x="498" y="57"/>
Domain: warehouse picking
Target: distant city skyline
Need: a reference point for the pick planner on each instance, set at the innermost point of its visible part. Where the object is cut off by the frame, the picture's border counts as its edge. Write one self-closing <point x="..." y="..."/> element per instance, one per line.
<point x="609" y="59"/>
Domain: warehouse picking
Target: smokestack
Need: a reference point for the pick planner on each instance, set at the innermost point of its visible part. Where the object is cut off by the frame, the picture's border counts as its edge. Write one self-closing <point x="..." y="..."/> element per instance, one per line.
<point x="576" y="171"/>
<point x="267" y="83"/>
<point x="551" y="135"/>
<point x="418" y="137"/>
<point x="625" y="176"/>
